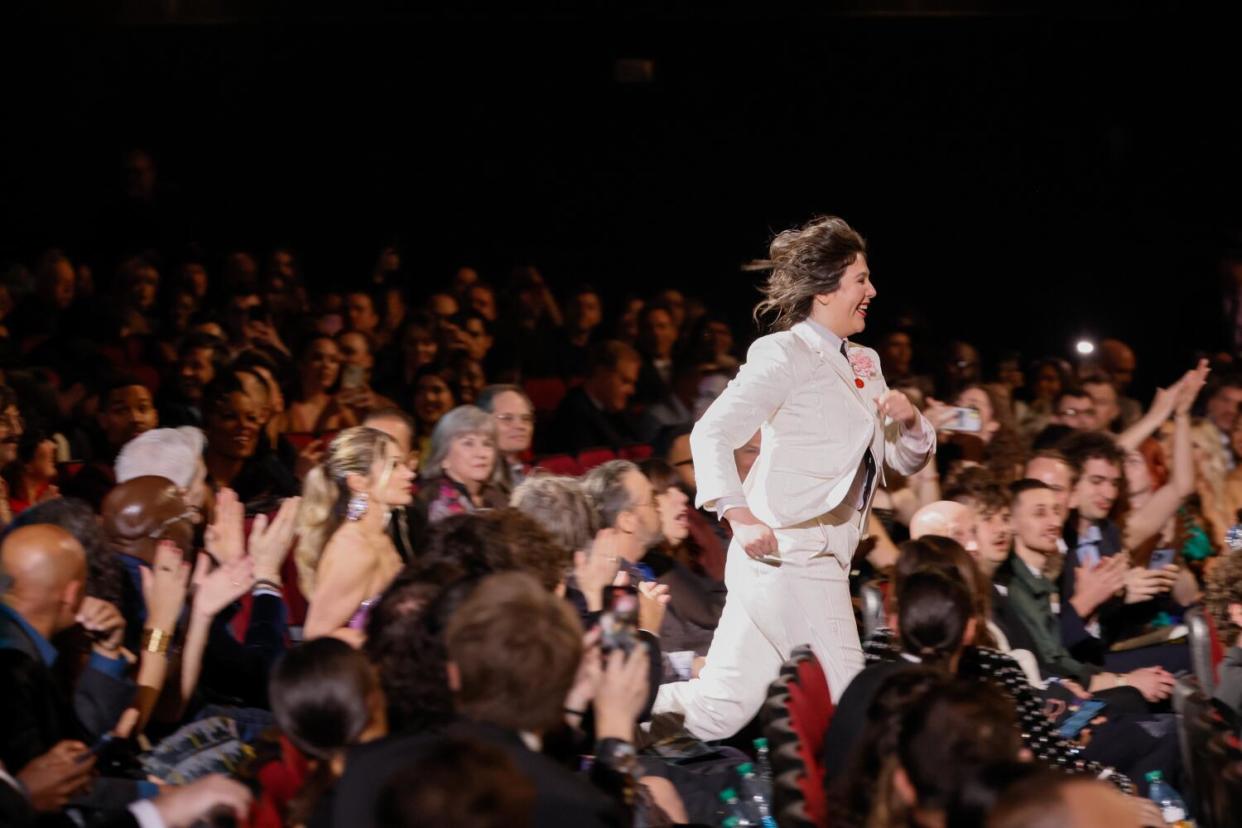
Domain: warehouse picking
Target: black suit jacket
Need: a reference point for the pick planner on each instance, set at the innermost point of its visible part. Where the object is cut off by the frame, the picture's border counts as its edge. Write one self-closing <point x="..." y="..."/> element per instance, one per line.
<point x="579" y="424"/>
<point x="40" y="706"/>
<point x="561" y="797"/>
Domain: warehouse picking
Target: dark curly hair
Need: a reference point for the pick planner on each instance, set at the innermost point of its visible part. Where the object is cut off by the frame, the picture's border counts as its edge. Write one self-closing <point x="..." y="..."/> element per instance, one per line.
<point x="405" y="642"/>
<point x="497" y="541"/>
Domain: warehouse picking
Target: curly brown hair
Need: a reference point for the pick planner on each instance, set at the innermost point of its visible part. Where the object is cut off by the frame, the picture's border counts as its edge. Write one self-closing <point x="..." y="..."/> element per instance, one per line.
<point x="1224" y="587"/>
<point x="806" y="262"/>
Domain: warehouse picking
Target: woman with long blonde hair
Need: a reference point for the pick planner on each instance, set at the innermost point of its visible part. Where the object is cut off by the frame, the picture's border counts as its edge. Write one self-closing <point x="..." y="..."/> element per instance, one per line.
<point x="345" y="557"/>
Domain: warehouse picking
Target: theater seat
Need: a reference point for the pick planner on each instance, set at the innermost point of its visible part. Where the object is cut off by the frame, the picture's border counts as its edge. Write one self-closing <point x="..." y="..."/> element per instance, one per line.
<point x="797" y="740"/>
<point x="872" y="598"/>
<point x="560" y="464"/>
<point x="590" y="458"/>
<point x="545" y="393"/>
<point x="1205" y="649"/>
<point x="636" y="453"/>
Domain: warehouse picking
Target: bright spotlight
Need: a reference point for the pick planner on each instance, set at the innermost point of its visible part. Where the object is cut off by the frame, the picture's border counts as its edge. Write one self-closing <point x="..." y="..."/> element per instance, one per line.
<point x="1085" y="347"/>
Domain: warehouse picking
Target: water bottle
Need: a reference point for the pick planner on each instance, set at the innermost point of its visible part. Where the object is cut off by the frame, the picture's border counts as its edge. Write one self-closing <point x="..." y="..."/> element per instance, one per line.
<point x="1172" y="808"/>
<point x="735" y="814"/>
<point x="755" y="796"/>
<point x="763" y="766"/>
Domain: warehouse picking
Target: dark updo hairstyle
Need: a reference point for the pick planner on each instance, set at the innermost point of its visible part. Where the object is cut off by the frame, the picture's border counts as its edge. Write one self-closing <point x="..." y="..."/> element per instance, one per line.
<point x="806" y="262"/>
<point x="933" y="611"/>
<point x="322" y="695"/>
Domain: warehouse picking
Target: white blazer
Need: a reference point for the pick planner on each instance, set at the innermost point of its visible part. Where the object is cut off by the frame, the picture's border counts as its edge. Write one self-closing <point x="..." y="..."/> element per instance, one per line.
<point x="816" y="423"/>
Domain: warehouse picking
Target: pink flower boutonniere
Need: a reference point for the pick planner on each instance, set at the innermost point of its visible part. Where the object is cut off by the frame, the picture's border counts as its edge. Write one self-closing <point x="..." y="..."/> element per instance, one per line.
<point x="864" y="367"/>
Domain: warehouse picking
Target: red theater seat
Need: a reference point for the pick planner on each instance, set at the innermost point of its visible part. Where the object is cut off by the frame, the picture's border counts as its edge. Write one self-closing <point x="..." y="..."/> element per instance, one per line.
<point x="560" y="464"/>
<point x="590" y="458"/>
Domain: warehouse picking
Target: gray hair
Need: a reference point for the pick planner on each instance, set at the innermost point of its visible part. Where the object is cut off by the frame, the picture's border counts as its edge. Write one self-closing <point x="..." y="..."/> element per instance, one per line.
<point x="560" y="506"/>
<point x="170" y="453"/>
<point x="462" y="420"/>
<point x="605" y="485"/>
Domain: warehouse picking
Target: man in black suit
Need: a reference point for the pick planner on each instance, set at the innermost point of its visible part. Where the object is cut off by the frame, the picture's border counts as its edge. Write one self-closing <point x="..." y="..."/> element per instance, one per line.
<point x="45" y="572"/>
<point x="594" y="413"/>
<point x="514" y="650"/>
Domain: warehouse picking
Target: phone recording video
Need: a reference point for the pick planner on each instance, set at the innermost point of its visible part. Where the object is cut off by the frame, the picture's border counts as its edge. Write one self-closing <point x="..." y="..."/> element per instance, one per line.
<point x="965" y="420"/>
<point x="618" y="623"/>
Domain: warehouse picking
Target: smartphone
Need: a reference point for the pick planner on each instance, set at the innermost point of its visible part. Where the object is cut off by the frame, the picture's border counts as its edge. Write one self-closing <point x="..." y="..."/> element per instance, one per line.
<point x="1080" y="718"/>
<point x="964" y="419"/>
<point x="1161" y="558"/>
<point x="618" y="622"/>
<point x="101" y="744"/>
<point x="1089" y="556"/>
<point x="353" y="376"/>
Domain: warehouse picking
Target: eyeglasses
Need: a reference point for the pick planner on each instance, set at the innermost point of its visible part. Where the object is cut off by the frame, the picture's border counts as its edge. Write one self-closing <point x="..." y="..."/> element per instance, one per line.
<point x="192" y="514"/>
<point x="508" y="419"/>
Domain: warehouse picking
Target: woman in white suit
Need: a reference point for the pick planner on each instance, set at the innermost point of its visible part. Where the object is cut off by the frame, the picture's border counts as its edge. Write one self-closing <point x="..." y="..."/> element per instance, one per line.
<point x="829" y="426"/>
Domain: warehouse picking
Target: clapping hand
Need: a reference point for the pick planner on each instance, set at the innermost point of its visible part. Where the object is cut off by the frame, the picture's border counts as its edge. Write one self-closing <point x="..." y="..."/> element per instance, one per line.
<point x="163" y="587"/>
<point x="270" y="543"/>
<point x="215" y="589"/>
<point x="225" y="538"/>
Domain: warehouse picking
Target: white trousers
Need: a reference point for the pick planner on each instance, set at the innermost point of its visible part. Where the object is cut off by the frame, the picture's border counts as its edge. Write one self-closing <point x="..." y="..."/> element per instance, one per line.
<point x="773" y="606"/>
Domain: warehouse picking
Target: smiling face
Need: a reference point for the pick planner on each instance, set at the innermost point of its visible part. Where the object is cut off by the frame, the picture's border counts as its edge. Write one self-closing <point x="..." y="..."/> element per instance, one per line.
<point x="1096" y="490"/>
<point x="470" y="458"/>
<point x="515" y="423"/>
<point x="844" y="311"/>
<point x="1035" y="520"/>
<point x="233" y="427"/>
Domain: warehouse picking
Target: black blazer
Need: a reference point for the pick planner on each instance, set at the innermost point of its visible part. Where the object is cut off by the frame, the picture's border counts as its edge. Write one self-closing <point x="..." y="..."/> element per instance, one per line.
<point x="578" y="424"/>
<point x="561" y="797"/>
<point x="41" y="707"/>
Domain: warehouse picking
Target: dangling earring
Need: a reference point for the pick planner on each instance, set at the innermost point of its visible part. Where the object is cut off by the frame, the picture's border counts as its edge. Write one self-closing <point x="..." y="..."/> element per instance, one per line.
<point x="357" y="506"/>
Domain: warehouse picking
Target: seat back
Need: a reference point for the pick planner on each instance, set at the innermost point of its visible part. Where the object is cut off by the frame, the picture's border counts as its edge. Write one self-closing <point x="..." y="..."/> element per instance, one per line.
<point x="810" y="711"/>
<point x="560" y="464"/>
<point x="1201" y="640"/>
<point x="545" y="393"/>
<point x="636" y="452"/>
<point x="872" y="598"/>
<point x="1207" y="758"/>
<point x="592" y="457"/>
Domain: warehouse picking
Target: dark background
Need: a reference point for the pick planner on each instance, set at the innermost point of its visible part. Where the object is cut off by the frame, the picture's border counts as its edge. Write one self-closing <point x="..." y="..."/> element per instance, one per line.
<point x="1023" y="176"/>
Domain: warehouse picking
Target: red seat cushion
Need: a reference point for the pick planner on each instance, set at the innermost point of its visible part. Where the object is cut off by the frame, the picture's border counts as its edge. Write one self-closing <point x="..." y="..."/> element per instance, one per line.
<point x="560" y="464"/>
<point x="1218" y="651"/>
<point x="545" y="393"/>
<point x="637" y="453"/>
<point x="590" y="458"/>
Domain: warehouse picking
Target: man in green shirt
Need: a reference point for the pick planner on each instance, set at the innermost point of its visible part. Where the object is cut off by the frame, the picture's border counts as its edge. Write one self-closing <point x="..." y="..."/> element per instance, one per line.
<point x="1028" y="594"/>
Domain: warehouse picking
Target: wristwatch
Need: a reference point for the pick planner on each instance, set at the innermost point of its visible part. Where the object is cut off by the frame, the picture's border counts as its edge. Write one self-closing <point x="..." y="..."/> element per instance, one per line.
<point x="617" y="754"/>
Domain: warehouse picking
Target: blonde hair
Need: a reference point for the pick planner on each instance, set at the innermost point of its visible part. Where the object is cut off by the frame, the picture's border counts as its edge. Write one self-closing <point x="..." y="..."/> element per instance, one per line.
<point x="806" y="262"/>
<point x="325" y="495"/>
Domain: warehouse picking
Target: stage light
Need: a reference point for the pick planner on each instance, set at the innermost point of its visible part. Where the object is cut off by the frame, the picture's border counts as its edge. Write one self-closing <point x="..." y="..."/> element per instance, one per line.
<point x="1085" y="347"/>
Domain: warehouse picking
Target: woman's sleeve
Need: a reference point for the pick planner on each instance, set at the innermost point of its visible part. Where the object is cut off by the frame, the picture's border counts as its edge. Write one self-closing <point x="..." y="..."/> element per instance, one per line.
<point x="746" y="403"/>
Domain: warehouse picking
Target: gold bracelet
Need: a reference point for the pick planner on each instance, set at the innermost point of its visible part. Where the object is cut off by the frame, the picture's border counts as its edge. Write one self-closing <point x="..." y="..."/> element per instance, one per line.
<point x="156" y="641"/>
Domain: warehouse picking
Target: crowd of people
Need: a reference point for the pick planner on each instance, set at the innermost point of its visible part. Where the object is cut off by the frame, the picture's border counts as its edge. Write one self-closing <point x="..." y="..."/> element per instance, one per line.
<point x="293" y="557"/>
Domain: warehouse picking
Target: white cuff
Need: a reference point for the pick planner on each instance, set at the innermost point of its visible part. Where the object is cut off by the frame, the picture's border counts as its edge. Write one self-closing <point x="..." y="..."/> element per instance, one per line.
<point x="146" y="814"/>
<point x="724" y="504"/>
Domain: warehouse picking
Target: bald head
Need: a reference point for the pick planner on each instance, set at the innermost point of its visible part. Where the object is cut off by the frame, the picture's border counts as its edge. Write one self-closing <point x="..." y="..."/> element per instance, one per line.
<point x="946" y="519"/>
<point x="45" y="571"/>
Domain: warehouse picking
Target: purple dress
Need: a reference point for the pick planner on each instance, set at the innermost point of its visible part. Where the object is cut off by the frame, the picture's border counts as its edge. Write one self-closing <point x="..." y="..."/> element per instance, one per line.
<point x="358" y="621"/>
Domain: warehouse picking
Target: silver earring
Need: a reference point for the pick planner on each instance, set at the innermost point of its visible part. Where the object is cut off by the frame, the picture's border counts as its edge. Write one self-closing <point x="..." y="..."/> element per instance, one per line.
<point x="357" y="506"/>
